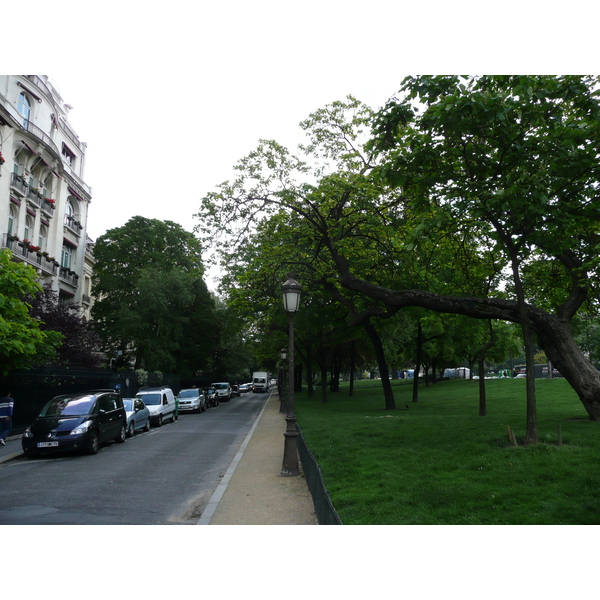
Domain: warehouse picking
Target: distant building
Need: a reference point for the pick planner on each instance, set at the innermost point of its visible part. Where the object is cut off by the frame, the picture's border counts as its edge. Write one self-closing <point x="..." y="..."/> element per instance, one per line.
<point x="44" y="200"/>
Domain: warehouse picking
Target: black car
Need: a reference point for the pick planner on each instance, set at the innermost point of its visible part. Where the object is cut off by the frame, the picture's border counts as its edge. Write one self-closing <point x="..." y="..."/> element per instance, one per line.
<point x="79" y="422"/>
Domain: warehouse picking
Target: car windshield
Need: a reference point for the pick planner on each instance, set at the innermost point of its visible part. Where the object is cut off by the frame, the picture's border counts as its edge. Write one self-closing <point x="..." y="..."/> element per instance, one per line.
<point x="221" y="386"/>
<point x="69" y="406"/>
<point x="128" y="403"/>
<point x="210" y="390"/>
<point x="188" y="393"/>
<point x="151" y="399"/>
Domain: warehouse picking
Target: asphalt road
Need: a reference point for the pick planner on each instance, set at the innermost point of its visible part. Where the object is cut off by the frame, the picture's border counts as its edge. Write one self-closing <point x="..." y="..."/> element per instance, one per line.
<point x="165" y="476"/>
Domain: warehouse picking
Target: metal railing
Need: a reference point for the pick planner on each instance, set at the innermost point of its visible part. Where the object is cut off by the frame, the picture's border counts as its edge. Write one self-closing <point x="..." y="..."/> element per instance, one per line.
<point x="21" y="250"/>
<point x="38" y="133"/>
<point x="326" y="513"/>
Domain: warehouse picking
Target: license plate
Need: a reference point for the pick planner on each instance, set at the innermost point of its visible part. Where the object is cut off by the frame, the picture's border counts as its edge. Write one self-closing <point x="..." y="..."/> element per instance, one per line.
<point x="47" y="444"/>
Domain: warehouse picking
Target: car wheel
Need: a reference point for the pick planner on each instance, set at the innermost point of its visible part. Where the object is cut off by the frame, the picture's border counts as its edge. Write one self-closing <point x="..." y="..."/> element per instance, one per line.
<point x="159" y="422"/>
<point x="173" y="418"/>
<point x="122" y="434"/>
<point x="94" y="443"/>
<point x="147" y="425"/>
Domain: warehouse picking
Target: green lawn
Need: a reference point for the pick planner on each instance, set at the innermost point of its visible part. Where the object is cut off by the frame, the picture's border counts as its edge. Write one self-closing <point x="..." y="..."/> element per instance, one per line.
<point x="437" y="462"/>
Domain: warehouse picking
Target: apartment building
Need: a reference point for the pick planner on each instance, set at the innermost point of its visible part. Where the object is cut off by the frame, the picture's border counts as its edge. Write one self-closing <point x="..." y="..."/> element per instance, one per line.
<point x="44" y="199"/>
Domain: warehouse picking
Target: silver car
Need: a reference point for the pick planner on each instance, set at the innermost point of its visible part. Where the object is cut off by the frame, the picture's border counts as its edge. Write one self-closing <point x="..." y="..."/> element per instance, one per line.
<point x="138" y="415"/>
<point x="192" y="400"/>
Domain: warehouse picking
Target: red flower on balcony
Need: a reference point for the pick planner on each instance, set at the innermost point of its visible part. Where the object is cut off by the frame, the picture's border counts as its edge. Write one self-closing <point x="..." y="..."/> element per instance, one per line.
<point x="50" y="201"/>
<point x="2" y="161"/>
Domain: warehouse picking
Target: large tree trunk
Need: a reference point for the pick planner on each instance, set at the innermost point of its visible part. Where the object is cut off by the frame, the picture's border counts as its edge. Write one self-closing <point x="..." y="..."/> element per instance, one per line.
<point x="388" y="393"/>
<point x="556" y="339"/>
<point x="482" y="353"/>
<point x="415" y="390"/>
<point x="352" y="367"/>
<point x="324" y="382"/>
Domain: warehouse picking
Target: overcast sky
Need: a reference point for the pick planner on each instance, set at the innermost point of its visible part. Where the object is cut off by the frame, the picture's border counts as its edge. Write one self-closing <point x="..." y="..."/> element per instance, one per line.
<point x="169" y="96"/>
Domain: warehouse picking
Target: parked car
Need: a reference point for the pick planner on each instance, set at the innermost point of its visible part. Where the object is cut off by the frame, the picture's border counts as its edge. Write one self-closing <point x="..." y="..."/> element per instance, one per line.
<point x="77" y="422"/>
<point x="161" y="403"/>
<point x="235" y="390"/>
<point x="211" y="396"/>
<point x="138" y="415"/>
<point x="224" y="392"/>
<point x="193" y="400"/>
<point x="245" y="388"/>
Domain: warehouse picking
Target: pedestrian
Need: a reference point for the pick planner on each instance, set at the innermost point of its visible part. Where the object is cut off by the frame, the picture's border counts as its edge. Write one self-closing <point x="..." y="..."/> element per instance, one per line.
<point x="6" y="413"/>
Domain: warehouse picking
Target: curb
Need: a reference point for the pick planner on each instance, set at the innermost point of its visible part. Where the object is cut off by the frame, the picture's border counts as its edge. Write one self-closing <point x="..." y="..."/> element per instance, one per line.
<point x="14" y="455"/>
<point x="209" y="511"/>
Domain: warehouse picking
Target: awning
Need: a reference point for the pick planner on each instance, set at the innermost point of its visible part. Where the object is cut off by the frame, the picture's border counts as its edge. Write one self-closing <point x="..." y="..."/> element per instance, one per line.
<point x="29" y="91"/>
<point x="75" y="193"/>
<point x="69" y="242"/>
<point x="29" y="147"/>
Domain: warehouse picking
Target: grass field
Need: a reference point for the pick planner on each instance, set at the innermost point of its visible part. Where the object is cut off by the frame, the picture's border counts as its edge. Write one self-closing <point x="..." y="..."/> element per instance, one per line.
<point x="438" y="462"/>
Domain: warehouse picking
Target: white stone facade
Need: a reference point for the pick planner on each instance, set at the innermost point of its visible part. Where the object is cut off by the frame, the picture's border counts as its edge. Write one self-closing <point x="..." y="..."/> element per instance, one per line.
<point x="43" y="198"/>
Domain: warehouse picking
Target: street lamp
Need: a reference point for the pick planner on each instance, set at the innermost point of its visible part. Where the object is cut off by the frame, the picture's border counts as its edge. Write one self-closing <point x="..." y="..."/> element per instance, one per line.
<point x="291" y="290"/>
<point x="282" y="402"/>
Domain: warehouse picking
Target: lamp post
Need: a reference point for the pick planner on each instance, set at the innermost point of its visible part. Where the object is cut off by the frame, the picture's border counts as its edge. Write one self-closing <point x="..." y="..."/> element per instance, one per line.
<point x="291" y="290"/>
<point x="282" y="402"/>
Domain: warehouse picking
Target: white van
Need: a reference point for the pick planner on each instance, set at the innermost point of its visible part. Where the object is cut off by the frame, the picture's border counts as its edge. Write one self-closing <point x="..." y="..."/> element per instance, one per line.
<point x="224" y="391"/>
<point x="161" y="403"/>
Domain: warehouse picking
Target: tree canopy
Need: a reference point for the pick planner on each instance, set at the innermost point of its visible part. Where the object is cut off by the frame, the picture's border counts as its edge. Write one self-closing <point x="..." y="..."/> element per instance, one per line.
<point x="464" y="180"/>
<point x="81" y="345"/>
<point x="147" y="281"/>
<point x="23" y="343"/>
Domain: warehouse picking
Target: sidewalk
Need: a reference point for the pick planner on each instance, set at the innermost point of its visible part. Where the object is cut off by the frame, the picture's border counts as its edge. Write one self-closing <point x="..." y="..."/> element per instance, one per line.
<point x="12" y="449"/>
<point x="251" y="492"/>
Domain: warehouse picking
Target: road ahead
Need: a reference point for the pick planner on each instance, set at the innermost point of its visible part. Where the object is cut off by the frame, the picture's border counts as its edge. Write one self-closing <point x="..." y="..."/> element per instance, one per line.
<point x="165" y="476"/>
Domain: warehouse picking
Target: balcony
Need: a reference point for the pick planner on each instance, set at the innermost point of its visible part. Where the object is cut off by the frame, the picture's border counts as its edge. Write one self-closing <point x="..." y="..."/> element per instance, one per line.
<point x="34" y="197"/>
<point x="73" y="224"/>
<point x="25" y="252"/>
<point x="40" y="135"/>
<point x="68" y="276"/>
<point x="48" y="207"/>
<point x="19" y="184"/>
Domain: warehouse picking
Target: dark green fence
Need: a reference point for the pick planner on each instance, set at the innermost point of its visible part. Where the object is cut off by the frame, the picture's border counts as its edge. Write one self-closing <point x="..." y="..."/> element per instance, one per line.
<point x="326" y="513"/>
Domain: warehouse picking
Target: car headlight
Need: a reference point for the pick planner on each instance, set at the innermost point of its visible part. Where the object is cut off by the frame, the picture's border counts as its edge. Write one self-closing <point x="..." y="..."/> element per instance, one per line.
<point x="81" y="428"/>
<point x="27" y="433"/>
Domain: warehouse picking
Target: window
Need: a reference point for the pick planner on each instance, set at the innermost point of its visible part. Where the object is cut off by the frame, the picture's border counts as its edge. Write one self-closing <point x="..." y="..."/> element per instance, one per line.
<point x="67" y="256"/>
<point x="13" y="219"/>
<point x="70" y="213"/>
<point x="68" y="155"/>
<point x="45" y="186"/>
<point x="29" y="223"/>
<point x="24" y="108"/>
<point x="43" y="237"/>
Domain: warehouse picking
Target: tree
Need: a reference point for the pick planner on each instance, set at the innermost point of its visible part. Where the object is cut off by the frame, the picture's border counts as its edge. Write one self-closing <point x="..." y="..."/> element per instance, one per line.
<point x="515" y="159"/>
<point x="81" y="345"/>
<point x="506" y="165"/>
<point x="23" y="342"/>
<point x="146" y="282"/>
